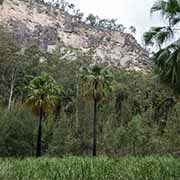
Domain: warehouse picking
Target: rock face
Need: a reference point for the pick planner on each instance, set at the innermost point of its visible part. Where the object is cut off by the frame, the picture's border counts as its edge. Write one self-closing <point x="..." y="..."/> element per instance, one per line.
<point x="52" y="29"/>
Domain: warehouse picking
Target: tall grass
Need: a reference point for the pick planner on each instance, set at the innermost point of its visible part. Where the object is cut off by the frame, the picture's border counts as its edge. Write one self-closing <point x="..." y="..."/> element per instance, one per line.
<point x="102" y="168"/>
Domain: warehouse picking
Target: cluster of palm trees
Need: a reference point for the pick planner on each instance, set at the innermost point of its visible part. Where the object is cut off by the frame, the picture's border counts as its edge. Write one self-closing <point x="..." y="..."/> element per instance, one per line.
<point x="167" y="40"/>
<point x="44" y="95"/>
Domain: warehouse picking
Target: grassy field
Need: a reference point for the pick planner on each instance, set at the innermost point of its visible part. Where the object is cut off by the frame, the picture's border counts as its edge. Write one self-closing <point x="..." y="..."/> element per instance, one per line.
<point x="102" y="168"/>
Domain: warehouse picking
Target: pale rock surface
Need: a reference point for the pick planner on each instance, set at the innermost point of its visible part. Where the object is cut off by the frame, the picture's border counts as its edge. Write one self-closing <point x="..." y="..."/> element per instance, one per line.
<point x="54" y="29"/>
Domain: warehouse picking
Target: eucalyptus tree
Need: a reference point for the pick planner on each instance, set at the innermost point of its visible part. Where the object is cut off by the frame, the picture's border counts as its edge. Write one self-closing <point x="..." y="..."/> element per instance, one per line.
<point x="43" y="97"/>
<point x="132" y="29"/>
<point x="167" y="57"/>
<point x="12" y="67"/>
<point x="98" y="82"/>
<point x="92" y="19"/>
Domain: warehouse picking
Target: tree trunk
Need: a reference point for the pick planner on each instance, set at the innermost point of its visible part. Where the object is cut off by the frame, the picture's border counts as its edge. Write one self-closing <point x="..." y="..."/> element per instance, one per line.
<point x="95" y="121"/>
<point x="77" y="102"/>
<point x="11" y="88"/>
<point x="57" y="113"/>
<point x="38" y="150"/>
<point x="134" y="147"/>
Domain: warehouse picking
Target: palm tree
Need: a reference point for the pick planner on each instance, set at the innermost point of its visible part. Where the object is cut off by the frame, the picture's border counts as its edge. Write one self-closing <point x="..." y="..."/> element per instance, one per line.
<point x="98" y="81"/>
<point x="167" y="8"/>
<point x="167" y="59"/>
<point x="42" y="97"/>
<point x="170" y="11"/>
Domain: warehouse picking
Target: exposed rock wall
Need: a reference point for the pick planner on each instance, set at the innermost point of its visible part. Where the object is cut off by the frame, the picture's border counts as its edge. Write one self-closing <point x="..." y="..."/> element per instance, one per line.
<point x="52" y="29"/>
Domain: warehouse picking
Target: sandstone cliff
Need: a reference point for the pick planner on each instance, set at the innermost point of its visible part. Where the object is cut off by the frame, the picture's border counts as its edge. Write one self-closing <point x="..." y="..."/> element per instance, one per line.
<point x="53" y="29"/>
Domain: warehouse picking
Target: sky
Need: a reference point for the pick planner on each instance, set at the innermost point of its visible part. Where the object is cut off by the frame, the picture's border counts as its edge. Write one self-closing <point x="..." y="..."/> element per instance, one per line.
<point x="127" y="12"/>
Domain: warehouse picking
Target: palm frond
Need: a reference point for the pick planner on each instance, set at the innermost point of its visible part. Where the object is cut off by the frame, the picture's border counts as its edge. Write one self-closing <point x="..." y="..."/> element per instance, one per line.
<point x="168" y="62"/>
<point x="159" y="5"/>
<point x="175" y="21"/>
<point x="43" y="93"/>
<point x="96" y="74"/>
<point x="158" y="35"/>
<point x="168" y="9"/>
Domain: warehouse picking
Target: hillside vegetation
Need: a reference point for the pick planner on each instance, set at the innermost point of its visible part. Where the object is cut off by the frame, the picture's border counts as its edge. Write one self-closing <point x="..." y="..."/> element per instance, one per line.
<point x="136" y="114"/>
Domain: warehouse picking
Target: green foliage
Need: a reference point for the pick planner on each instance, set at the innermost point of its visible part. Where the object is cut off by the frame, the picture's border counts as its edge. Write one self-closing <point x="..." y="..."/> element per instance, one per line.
<point x="107" y="24"/>
<point x="168" y="9"/>
<point x="65" y="140"/>
<point x="158" y="35"/>
<point x="10" y="65"/>
<point x="98" y="81"/>
<point x="43" y="97"/>
<point x="166" y="58"/>
<point x="135" y="132"/>
<point x="136" y="115"/>
<point x="92" y="19"/>
<point x="17" y="132"/>
<point x="43" y="93"/>
<point x="102" y="168"/>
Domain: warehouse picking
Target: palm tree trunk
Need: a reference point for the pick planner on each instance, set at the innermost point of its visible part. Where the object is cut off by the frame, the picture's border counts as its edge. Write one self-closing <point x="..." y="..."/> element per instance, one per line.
<point x="94" y="127"/>
<point x="95" y="121"/>
<point x="38" y="150"/>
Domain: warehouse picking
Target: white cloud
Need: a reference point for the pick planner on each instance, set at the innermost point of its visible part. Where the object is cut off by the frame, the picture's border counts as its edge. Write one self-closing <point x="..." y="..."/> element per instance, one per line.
<point x="128" y="12"/>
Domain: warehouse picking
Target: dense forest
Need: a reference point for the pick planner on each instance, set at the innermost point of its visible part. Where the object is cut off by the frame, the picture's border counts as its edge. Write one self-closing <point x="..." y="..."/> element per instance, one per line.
<point x="52" y="106"/>
<point x="136" y="113"/>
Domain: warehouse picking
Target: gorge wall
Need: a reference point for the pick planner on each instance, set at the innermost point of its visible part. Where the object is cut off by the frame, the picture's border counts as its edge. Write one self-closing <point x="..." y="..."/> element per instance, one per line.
<point x="52" y="29"/>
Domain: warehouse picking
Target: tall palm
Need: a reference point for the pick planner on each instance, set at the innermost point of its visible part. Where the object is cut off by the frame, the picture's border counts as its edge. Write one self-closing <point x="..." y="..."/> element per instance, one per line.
<point x="158" y="36"/>
<point x="170" y="11"/>
<point x="167" y="59"/>
<point x="98" y="81"/>
<point x="42" y="97"/>
<point x="167" y="8"/>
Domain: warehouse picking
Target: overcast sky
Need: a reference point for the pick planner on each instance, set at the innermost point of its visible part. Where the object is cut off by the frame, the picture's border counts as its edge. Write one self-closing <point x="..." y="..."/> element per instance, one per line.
<point x="128" y="12"/>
